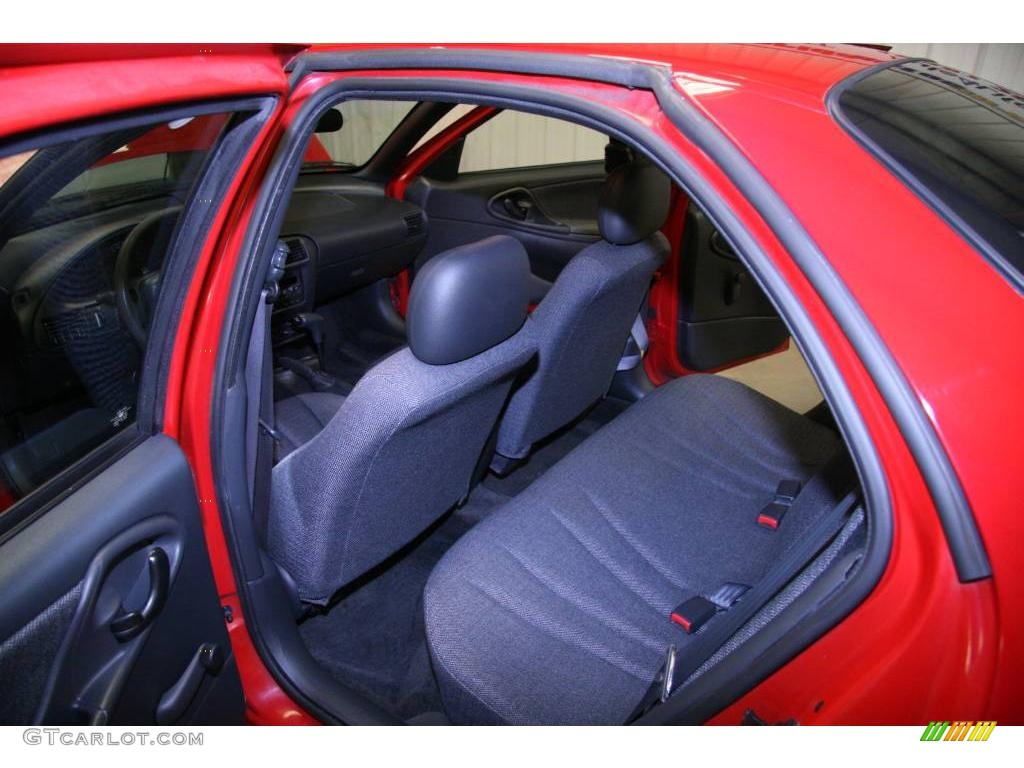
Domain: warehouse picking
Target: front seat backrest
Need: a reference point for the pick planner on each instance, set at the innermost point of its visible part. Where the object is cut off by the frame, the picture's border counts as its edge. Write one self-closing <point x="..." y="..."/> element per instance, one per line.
<point x="404" y="446"/>
<point x="582" y="325"/>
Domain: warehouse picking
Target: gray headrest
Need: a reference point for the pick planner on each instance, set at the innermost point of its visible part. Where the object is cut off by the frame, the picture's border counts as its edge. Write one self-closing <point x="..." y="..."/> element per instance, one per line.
<point x="633" y="203"/>
<point x="467" y="300"/>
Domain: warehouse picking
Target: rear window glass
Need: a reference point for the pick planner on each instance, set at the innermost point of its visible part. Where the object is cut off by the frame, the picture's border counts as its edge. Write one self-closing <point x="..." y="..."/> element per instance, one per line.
<point x="958" y="141"/>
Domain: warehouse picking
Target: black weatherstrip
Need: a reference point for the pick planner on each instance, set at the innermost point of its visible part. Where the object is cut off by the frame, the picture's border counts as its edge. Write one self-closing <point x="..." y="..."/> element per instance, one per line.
<point x="629" y="74"/>
<point x="219" y="170"/>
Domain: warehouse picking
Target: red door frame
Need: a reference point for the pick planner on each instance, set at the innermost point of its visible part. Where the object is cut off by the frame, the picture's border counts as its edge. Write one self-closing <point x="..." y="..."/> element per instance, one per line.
<point x="895" y="666"/>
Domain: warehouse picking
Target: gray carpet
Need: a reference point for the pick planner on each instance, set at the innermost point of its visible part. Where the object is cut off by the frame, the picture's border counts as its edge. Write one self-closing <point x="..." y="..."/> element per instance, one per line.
<point x="372" y="638"/>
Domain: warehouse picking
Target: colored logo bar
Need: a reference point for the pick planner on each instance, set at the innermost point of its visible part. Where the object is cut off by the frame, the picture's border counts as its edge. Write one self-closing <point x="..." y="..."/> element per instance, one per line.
<point x="960" y="730"/>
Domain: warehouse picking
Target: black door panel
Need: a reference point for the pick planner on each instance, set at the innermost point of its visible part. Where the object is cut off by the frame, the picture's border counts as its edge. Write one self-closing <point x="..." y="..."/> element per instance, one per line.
<point x="551" y="209"/>
<point x="724" y="317"/>
<point x="108" y="596"/>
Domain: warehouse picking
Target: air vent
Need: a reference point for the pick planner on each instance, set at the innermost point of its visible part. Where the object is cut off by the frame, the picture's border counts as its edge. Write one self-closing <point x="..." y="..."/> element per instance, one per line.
<point x="298" y="251"/>
<point x="414" y="223"/>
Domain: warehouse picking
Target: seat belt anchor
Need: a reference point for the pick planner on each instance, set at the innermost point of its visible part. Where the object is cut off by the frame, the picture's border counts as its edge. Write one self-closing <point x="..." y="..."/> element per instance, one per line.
<point x="660" y="688"/>
<point x="275" y="271"/>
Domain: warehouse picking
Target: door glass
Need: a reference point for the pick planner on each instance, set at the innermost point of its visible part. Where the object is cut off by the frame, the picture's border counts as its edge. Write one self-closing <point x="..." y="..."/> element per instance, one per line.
<point x="518" y="140"/>
<point x="84" y="229"/>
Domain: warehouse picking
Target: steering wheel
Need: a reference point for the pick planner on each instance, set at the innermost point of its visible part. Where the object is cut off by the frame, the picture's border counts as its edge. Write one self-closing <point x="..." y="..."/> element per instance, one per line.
<point x="137" y="270"/>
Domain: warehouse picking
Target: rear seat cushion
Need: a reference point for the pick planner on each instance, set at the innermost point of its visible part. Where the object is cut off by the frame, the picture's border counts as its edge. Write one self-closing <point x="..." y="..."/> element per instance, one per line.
<point x="556" y="608"/>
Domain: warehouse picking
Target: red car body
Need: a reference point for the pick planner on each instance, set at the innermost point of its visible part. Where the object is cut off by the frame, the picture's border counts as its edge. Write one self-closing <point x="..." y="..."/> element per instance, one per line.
<point x="923" y="645"/>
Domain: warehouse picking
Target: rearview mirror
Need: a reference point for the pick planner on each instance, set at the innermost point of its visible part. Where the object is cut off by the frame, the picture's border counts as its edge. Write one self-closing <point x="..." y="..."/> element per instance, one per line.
<point x="330" y="121"/>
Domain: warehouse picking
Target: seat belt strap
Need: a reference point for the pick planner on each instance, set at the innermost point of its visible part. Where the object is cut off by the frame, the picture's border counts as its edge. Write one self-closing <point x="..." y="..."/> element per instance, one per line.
<point x="266" y="435"/>
<point x="254" y="360"/>
<point x="835" y="474"/>
<point x="636" y="345"/>
<point x="262" y="359"/>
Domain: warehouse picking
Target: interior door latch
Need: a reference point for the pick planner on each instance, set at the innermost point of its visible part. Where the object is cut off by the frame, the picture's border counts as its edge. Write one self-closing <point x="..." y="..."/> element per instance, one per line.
<point x="128" y="625"/>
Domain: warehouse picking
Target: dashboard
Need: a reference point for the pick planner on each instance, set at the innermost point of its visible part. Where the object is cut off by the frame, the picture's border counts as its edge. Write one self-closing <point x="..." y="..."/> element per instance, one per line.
<point x="342" y="233"/>
<point x="341" y="236"/>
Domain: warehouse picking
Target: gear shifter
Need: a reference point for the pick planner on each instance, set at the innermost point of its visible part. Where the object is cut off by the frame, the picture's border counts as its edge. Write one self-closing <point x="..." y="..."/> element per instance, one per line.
<point x="313" y="325"/>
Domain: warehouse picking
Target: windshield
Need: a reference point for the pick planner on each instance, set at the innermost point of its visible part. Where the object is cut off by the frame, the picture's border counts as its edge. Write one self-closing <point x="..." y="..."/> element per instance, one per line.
<point x="366" y="125"/>
<point x="956" y="140"/>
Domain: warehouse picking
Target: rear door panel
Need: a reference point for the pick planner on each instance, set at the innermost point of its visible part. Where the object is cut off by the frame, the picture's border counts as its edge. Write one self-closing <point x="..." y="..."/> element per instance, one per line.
<point x="561" y="201"/>
<point x="724" y="316"/>
<point x="85" y="560"/>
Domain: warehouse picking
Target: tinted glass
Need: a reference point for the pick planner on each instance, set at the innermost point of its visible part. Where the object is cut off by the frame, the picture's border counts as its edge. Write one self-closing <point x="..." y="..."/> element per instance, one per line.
<point x="77" y="289"/>
<point x="958" y="141"/>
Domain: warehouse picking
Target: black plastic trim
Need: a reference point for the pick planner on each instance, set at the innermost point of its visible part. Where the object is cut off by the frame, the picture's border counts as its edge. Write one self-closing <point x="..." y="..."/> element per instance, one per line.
<point x="267" y="220"/>
<point x="220" y="170"/>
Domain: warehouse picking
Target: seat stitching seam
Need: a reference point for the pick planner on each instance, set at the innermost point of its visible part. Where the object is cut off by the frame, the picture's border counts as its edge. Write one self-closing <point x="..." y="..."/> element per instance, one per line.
<point x="622" y="664"/>
<point x="656" y="609"/>
<point x="645" y="639"/>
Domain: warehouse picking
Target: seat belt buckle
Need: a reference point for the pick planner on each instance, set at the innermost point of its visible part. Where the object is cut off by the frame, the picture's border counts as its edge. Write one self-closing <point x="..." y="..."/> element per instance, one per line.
<point x="694" y="613"/>
<point x="785" y="494"/>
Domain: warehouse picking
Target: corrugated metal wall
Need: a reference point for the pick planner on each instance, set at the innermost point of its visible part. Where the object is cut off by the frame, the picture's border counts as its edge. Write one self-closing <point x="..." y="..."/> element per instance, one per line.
<point x="1002" y="63"/>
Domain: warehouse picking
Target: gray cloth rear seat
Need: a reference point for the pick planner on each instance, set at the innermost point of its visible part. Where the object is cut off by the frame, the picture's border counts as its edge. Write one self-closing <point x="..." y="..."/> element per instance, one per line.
<point x="555" y="609"/>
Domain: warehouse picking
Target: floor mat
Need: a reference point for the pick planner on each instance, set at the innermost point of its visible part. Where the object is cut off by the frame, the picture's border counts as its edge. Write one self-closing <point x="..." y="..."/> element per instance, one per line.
<point x="356" y="352"/>
<point x="359" y="330"/>
<point x="373" y="640"/>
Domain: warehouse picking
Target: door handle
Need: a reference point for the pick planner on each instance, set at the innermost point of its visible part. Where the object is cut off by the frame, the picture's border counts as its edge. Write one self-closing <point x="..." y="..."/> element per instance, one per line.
<point x="208" y="660"/>
<point x="128" y="625"/>
<point x="518" y="208"/>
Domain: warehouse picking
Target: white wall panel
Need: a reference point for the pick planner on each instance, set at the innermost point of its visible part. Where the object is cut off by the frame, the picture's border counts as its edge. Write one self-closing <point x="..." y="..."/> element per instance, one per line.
<point x="518" y="139"/>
